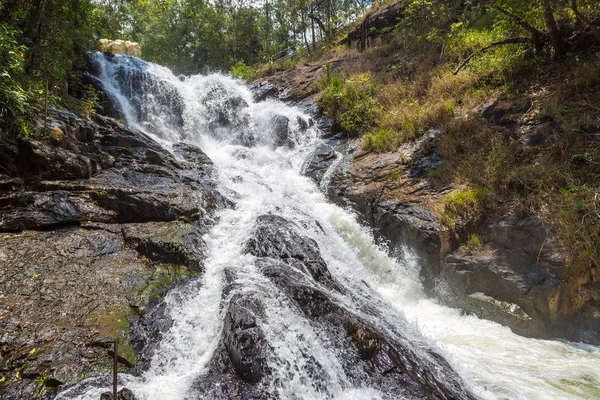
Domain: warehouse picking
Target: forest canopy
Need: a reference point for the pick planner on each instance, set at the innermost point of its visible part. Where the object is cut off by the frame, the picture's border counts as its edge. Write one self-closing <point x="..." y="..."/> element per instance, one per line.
<point x="45" y="41"/>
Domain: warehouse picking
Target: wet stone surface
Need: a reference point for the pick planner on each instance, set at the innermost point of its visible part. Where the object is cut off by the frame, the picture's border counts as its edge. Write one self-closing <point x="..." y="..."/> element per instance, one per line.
<point x="95" y="226"/>
<point x="242" y="365"/>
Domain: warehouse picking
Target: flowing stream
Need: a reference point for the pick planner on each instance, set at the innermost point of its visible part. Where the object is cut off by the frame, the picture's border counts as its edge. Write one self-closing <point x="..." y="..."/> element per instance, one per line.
<point x="259" y="168"/>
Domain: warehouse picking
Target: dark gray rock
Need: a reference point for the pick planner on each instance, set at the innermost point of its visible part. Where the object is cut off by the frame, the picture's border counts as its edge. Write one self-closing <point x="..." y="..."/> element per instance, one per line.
<point x="224" y="107"/>
<point x="43" y="161"/>
<point x="281" y="131"/>
<point x="263" y="90"/>
<point x="244" y="341"/>
<point x="123" y="394"/>
<point x="121" y="176"/>
<point x="192" y="154"/>
<point x="368" y="355"/>
<point x="319" y="162"/>
<point x="124" y="231"/>
<point x="275" y="237"/>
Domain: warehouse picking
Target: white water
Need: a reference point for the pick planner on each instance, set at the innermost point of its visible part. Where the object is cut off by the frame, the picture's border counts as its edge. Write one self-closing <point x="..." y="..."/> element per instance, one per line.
<point x="494" y="362"/>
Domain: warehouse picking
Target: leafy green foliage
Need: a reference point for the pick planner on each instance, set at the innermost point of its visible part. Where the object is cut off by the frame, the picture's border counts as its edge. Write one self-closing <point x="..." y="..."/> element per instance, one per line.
<point x="17" y="103"/>
<point x="350" y="103"/>
<point x="474" y="241"/>
<point x="241" y="70"/>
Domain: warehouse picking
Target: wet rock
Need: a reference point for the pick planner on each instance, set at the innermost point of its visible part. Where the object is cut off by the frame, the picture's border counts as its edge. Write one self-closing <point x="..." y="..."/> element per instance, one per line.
<point x="263" y="90"/>
<point x="9" y="151"/>
<point x="87" y="252"/>
<point x="124" y="163"/>
<point x="224" y="107"/>
<point x="192" y="154"/>
<point x="368" y="355"/>
<point x="223" y="386"/>
<point x="167" y="243"/>
<point x="275" y="237"/>
<point x="41" y="161"/>
<point x="138" y="86"/>
<point x="243" y="339"/>
<point x="123" y="394"/>
<point x="281" y="131"/>
<point x="303" y="124"/>
<point x="319" y="162"/>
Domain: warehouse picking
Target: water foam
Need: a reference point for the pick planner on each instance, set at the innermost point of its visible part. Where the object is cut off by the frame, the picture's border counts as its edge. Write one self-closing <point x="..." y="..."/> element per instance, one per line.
<point x="494" y="362"/>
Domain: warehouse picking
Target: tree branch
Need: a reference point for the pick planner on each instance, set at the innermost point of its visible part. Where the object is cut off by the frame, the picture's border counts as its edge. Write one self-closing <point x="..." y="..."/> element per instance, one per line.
<point x="585" y="20"/>
<point x="493" y="44"/>
<point x="536" y="36"/>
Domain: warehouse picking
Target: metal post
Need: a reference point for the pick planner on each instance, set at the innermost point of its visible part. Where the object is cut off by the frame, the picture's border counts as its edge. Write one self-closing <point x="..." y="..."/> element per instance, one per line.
<point x="115" y="368"/>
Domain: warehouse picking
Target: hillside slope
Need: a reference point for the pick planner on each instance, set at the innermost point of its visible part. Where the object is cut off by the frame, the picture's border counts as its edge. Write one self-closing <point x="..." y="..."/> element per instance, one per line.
<point x="487" y="166"/>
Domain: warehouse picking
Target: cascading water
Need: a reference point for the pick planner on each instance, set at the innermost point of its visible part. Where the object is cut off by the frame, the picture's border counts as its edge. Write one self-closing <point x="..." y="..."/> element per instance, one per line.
<point x="258" y="149"/>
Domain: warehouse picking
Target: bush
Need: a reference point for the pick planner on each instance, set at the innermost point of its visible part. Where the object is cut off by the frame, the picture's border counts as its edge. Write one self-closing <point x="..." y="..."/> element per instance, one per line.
<point x="241" y="70"/>
<point x="381" y="140"/>
<point x="474" y="242"/>
<point x="350" y="103"/>
<point x="17" y="103"/>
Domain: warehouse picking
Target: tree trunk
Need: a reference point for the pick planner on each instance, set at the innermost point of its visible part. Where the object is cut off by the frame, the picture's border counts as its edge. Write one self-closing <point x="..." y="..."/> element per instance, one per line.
<point x="558" y="45"/>
<point x="34" y="34"/>
<point x="304" y="32"/>
<point x="314" y="38"/>
<point x="268" y="26"/>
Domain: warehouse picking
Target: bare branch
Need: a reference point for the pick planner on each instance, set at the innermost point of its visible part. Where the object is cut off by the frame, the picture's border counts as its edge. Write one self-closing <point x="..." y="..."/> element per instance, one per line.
<point x="493" y="44"/>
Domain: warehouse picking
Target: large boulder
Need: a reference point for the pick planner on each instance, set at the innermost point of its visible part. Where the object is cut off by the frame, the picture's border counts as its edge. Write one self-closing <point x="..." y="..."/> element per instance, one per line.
<point x="120" y="47"/>
<point x="247" y="363"/>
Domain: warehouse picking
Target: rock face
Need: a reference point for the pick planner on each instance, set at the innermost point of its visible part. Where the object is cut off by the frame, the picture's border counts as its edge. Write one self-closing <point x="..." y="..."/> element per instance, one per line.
<point x="372" y="24"/>
<point x="520" y="277"/>
<point x="94" y="228"/>
<point x="120" y="47"/>
<point x="138" y="86"/>
<point x="370" y="357"/>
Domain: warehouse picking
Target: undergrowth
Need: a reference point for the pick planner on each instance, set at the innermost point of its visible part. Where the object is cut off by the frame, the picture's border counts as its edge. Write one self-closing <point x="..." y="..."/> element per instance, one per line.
<point x="409" y="84"/>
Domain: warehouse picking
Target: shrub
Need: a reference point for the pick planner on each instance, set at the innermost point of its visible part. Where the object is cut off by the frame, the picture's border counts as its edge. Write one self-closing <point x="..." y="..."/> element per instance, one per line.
<point x="240" y="70"/>
<point x="350" y="103"/>
<point x="474" y="242"/>
<point x="17" y="104"/>
<point x="89" y="103"/>
<point x="381" y="140"/>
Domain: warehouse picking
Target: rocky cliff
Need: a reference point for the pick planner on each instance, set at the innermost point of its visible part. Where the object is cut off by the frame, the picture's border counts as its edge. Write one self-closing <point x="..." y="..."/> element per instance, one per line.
<point x="97" y="221"/>
<point x="518" y="274"/>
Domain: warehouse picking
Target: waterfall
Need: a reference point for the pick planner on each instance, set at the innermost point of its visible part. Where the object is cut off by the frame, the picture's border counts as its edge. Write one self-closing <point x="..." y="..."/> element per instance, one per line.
<point x="254" y="271"/>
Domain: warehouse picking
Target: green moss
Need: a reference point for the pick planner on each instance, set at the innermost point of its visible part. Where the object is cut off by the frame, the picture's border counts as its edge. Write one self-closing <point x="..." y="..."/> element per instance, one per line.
<point x="162" y="279"/>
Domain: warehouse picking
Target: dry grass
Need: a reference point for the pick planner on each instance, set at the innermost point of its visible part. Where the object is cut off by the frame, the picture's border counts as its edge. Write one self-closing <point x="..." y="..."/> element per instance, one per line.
<point x="558" y="181"/>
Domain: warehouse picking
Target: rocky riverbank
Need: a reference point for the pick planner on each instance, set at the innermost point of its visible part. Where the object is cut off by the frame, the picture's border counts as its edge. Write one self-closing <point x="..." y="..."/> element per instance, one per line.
<point x="97" y="222"/>
<point x="518" y="273"/>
